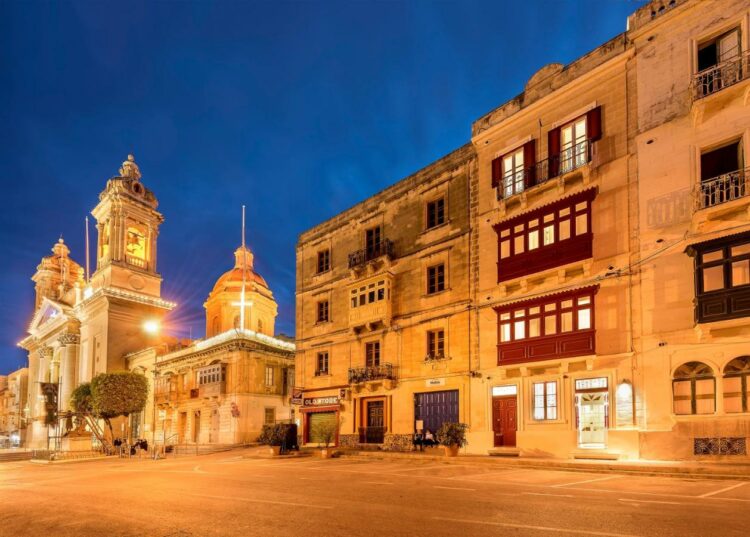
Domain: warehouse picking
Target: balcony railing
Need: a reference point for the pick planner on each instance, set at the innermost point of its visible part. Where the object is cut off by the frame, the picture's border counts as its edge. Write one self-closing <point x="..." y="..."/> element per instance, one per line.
<point x="358" y="375"/>
<point x="165" y="395"/>
<point x="365" y="255"/>
<point x="371" y="435"/>
<point x="435" y="356"/>
<point x="569" y="159"/>
<point x="135" y="261"/>
<point x="724" y="188"/>
<point x="720" y="76"/>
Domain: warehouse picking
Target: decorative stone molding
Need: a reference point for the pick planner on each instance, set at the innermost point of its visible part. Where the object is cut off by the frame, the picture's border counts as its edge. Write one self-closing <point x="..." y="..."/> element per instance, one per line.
<point x="45" y="352"/>
<point x="69" y="339"/>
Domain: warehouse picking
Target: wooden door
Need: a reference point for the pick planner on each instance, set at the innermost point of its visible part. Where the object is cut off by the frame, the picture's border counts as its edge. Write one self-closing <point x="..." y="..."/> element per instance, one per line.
<point x="197" y="426"/>
<point x="504" y="420"/>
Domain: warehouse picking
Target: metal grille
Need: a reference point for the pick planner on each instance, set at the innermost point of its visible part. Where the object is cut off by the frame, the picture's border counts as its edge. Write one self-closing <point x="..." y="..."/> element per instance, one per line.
<point x="720" y="446"/>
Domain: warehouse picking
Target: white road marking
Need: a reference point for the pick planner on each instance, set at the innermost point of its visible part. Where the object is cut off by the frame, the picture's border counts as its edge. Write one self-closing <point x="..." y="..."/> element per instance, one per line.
<point x="452" y="488"/>
<point x="588" y="481"/>
<point x="735" y="486"/>
<point x="529" y="527"/>
<point x="647" y="501"/>
<point x="548" y="494"/>
<point x="253" y="500"/>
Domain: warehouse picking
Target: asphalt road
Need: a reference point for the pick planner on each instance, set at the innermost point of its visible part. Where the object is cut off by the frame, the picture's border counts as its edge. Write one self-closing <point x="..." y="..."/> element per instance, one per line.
<point x="230" y="494"/>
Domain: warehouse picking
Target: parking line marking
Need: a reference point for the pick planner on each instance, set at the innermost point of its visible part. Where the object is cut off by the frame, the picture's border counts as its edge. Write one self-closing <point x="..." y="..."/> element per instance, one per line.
<point x="452" y="488"/>
<point x="547" y="494"/>
<point x="529" y="527"/>
<point x="588" y="481"/>
<point x="647" y="501"/>
<point x="253" y="500"/>
<point x="735" y="486"/>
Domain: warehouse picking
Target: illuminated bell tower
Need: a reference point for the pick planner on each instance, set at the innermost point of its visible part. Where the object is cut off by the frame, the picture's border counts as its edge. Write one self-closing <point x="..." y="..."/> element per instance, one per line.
<point x="127" y="223"/>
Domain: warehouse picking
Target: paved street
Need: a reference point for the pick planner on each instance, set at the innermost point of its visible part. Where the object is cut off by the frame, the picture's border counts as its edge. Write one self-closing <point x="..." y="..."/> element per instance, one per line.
<point x="227" y="494"/>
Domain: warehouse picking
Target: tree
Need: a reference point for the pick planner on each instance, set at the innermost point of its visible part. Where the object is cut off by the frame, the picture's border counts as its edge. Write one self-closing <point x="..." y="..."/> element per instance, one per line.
<point x="119" y="393"/>
<point x="108" y="396"/>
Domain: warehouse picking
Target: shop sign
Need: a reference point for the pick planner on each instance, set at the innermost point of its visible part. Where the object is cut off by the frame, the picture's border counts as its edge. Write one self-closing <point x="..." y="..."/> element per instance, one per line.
<point x="321" y="401"/>
<point x="434" y="382"/>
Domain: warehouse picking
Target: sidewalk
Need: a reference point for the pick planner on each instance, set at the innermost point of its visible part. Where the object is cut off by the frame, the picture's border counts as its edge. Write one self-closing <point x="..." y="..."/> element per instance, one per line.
<point x="691" y="469"/>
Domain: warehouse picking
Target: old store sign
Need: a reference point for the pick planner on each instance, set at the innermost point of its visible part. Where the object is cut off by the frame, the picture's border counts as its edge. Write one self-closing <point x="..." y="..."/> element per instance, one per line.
<point x="434" y="382"/>
<point x="321" y="401"/>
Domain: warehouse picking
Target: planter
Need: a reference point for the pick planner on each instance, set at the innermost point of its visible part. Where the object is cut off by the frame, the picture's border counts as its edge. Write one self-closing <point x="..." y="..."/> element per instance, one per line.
<point x="451" y="451"/>
<point x="275" y="450"/>
<point x="325" y="453"/>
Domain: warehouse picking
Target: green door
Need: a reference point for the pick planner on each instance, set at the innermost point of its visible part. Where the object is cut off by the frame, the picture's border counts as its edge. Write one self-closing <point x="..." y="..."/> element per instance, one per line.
<point x="319" y="423"/>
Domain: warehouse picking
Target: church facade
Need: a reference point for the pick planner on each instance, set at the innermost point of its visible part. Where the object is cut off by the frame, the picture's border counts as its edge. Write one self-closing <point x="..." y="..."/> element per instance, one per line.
<point x="84" y="326"/>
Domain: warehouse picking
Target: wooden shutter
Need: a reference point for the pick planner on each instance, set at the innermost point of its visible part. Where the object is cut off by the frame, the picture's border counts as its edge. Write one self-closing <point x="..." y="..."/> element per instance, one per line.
<point x="594" y="124"/>
<point x="553" y="150"/>
<point x="529" y="163"/>
<point x="497" y="171"/>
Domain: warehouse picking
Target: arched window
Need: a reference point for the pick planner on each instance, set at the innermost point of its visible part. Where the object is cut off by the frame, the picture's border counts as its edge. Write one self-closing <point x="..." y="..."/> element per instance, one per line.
<point x="736" y="394"/>
<point x="694" y="389"/>
<point x="215" y="326"/>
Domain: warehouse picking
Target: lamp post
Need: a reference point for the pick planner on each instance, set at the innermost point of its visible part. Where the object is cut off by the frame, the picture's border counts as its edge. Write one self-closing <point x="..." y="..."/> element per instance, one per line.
<point x="152" y="328"/>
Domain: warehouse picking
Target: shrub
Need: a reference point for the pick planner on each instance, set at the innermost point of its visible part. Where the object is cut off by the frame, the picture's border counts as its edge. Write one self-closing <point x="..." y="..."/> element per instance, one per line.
<point x="452" y="434"/>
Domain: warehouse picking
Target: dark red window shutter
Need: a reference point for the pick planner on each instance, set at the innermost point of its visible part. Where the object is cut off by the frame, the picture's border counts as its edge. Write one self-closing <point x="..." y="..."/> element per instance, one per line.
<point x="553" y="149"/>
<point x="497" y="172"/>
<point x="594" y="124"/>
<point x="529" y="163"/>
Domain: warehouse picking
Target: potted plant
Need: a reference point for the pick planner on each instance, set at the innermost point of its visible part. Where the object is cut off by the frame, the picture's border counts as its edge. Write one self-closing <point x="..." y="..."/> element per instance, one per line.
<point x="327" y="433"/>
<point x="452" y="436"/>
<point x="273" y="436"/>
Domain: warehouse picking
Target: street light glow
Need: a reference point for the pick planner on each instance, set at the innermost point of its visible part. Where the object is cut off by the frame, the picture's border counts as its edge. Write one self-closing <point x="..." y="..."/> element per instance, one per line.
<point x="151" y="327"/>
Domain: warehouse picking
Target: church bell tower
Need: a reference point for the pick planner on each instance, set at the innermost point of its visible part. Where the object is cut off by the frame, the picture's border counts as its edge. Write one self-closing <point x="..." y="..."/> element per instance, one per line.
<point x="127" y="224"/>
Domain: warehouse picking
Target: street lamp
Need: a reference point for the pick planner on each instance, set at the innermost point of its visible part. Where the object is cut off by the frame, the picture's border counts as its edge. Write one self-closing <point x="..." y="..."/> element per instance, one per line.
<point x="151" y="327"/>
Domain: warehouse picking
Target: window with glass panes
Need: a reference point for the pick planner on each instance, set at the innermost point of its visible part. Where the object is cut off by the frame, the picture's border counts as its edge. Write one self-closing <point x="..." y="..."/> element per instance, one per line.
<point x="435" y="279"/>
<point x="269" y="376"/>
<point x="513" y="173"/>
<point x="322" y="311"/>
<point x="435" y="344"/>
<point x="553" y="316"/>
<point x="436" y="213"/>
<point x="722" y="278"/>
<point x="372" y="354"/>
<point x="368" y="294"/>
<point x="324" y="261"/>
<point x="544" y="405"/>
<point x="547" y="237"/>
<point x="322" y="364"/>
<point x="573" y="145"/>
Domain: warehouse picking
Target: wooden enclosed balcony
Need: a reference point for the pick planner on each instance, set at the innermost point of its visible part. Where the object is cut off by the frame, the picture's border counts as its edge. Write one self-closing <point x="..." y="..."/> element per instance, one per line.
<point x="213" y="389"/>
<point x="370" y="303"/>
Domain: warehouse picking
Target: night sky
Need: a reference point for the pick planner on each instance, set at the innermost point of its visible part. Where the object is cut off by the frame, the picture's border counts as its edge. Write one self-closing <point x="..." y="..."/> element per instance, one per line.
<point x="298" y="110"/>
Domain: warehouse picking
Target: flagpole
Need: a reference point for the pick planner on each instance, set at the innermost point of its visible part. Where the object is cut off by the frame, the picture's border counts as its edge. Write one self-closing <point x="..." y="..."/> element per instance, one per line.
<point x="244" y="258"/>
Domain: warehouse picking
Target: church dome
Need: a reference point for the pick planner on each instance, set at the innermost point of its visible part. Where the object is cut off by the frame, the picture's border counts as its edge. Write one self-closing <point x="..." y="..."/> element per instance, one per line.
<point x="232" y="279"/>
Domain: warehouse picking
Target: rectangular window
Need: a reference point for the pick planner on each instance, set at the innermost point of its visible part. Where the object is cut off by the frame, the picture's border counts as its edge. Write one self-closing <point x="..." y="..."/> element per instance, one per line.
<point x="322" y="311"/>
<point x="436" y="213"/>
<point x="374" y="292"/>
<point x="545" y="400"/>
<point x="513" y="173"/>
<point x="269" y="416"/>
<point x="435" y="344"/>
<point x="321" y="367"/>
<point x="269" y="376"/>
<point x="722" y="177"/>
<point x="372" y="354"/>
<point x="722" y="272"/>
<point x="372" y="242"/>
<point x="574" y="145"/>
<point x="324" y="261"/>
<point x="557" y="234"/>
<point x="435" y="279"/>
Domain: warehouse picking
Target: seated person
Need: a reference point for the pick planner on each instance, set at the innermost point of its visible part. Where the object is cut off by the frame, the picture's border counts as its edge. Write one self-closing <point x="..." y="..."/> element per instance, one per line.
<point x="429" y="439"/>
<point x="418" y="440"/>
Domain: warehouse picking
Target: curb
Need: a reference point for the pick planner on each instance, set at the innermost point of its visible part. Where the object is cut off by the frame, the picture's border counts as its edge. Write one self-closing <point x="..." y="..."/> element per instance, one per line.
<point x="602" y="468"/>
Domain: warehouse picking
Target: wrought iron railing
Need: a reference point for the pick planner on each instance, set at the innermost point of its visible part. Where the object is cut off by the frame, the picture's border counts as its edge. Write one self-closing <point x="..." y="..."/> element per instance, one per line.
<point x="721" y="75"/>
<point x="724" y="188"/>
<point x="371" y="435"/>
<point x="569" y="159"/>
<point x="376" y="372"/>
<point x="365" y="255"/>
<point x="435" y="356"/>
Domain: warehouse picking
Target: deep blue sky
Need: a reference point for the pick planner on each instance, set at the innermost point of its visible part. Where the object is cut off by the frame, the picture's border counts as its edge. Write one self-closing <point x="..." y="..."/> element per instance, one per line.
<point x="298" y="110"/>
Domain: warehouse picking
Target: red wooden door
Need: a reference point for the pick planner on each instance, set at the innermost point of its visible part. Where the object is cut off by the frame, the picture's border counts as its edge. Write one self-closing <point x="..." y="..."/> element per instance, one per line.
<point x="504" y="421"/>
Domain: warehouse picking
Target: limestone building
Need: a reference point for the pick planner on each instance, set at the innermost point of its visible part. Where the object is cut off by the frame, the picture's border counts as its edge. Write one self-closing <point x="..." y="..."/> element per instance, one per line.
<point x="694" y="226"/>
<point x="85" y="326"/>
<point x="383" y="311"/>
<point x="224" y="388"/>
<point x="12" y="408"/>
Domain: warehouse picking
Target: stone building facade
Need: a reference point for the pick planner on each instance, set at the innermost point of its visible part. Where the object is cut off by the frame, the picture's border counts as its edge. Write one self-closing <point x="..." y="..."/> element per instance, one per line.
<point x="222" y="389"/>
<point x="383" y="311"/>
<point x="12" y="402"/>
<point x="608" y="265"/>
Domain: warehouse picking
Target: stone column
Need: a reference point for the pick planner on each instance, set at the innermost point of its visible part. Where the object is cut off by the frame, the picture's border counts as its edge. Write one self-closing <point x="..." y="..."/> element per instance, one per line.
<point x="69" y="368"/>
